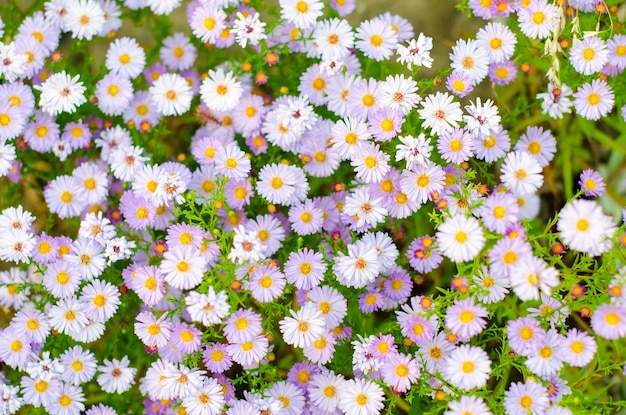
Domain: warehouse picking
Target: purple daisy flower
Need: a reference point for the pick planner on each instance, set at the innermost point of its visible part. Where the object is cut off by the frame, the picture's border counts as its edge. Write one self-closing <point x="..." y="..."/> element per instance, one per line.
<point x="138" y="212"/>
<point x="456" y="145"/>
<point x="216" y="358"/>
<point x="460" y="83"/>
<point x="502" y="73"/>
<point x="371" y="301"/>
<point x="385" y="124"/>
<point x="592" y="183"/>
<point x="422" y="254"/>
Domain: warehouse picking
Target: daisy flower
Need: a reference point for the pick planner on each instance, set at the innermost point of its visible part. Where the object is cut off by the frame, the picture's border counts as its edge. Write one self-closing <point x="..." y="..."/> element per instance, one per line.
<point x="537" y="21"/>
<point x="333" y="38"/>
<point x="547" y="359"/>
<point x="249" y="29"/>
<point x="579" y="348"/>
<point x="337" y="93"/>
<point x="322" y="349"/>
<point x="417" y="52"/>
<point x="64" y="197"/>
<point x="492" y="147"/>
<point x="589" y="55"/>
<point x="400" y="371"/>
<point x="440" y="113"/>
<point x="125" y="57"/>
<point x="348" y="135"/>
<point x="177" y="52"/>
<point x="277" y="183"/>
<point x="101" y="300"/>
<point x="609" y="321"/>
<point x="306" y="218"/>
<point x="68" y="316"/>
<point x="468" y="405"/>
<point x="302" y="13"/>
<point x="84" y="19"/>
<point x="250" y="353"/>
<point x="594" y="100"/>
<point x="617" y="51"/>
<point x="456" y="145"/>
<point x="376" y="39"/>
<point x="482" y="119"/>
<point x="126" y="161"/>
<point x="466" y="319"/>
<point x="15" y="349"/>
<point x="415" y="151"/>
<point x="497" y="40"/>
<point x="221" y="91"/>
<point x="206" y="400"/>
<point x="499" y="211"/>
<point x="584" y="227"/>
<point x="524" y="398"/>
<point x="32" y="324"/>
<point x="370" y="163"/>
<point x="467" y="367"/>
<point x="303" y="327"/>
<point x="171" y="94"/>
<point x="469" y="57"/>
<point x="460" y="238"/>
<point x="61" y="93"/>
<point x="216" y="358"/>
<point x="17" y="245"/>
<point x="80" y="365"/>
<point x="208" y="22"/>
<point x="12" y="121"/>
<point x="399" y="93"/>
<point x="209" y="308"/>
<point x="502" y="73"/>
<point x="114" y="93"/>
<point x="423" y="181"/>
<point x="243" y="325"/>
<point x="231" y="162"/>
<point x="360" y="267"/>
<point x="364" y="209"/>
<point x="556" y="101"/>
<point x="524" y="335"/>
<point x="592" y="183"/>
<point x="521" y="173"/>
<point x="539" y="143"/>
<point x="324" y="390"/>
<point x="68" y="402"/>
<point x="460" y="83"/>
<point x="247" y="246"/>
<point x="364" y="98"/>
<point x="183" y="267"/>
<point x="116" y="376"/>
<point x="305" y="269"/>
<point x="291" y="396"/>
<point x="266" y="283"/>
<point x="359" y="397"/>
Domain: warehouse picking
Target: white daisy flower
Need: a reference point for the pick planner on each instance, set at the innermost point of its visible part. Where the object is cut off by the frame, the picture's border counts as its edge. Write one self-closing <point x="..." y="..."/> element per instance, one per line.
<point x="303" y="327"/>
<point x="61" y="93"/>
<point x="584" y="227"/>
<point x="360" y="397"/>
<point x="302" y="13"/>
<point x="460" y="238"/>
<point x="440" y="112"/>
<point x="84" y="19"/>
<point x="221" y="91"/>
<point x="521" y="173"/>
<point x="171" y="94"/>
<point x="116" y="376"/>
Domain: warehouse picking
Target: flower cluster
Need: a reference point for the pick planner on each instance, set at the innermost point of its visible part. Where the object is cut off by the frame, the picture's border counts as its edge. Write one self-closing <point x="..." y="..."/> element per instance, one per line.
<point x="275" y="212"/>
